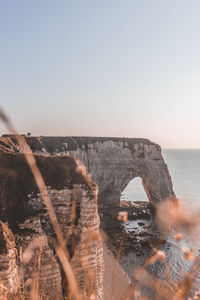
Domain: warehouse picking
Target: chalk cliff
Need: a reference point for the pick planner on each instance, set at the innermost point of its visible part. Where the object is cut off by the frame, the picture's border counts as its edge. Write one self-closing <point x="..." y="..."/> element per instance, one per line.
<point x="27" y="255"/>
<point x="9" y="271"/>
<point x="112" y="163"/>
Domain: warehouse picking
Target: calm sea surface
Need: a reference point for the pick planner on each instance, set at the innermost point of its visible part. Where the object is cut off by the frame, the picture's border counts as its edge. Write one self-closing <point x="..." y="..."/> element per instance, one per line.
<point x="184" y="168"/>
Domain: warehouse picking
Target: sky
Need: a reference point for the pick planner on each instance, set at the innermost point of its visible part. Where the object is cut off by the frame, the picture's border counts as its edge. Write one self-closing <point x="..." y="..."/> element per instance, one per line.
<point x="102" y="68"/>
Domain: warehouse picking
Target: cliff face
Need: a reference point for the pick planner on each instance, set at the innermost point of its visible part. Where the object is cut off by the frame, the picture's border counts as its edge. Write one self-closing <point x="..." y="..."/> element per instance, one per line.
<point x="9" y="272"/>
<point x="33" y="258"/>
<point x="112" y="163"/>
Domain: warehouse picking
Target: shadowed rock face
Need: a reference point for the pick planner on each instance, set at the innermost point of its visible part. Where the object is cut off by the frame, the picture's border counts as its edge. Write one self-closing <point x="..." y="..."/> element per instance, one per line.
<point x="22" y="209"/>
<point x="112" y="163"/>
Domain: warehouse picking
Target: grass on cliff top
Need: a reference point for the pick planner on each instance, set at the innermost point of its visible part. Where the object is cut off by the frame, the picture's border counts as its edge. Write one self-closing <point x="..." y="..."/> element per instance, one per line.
<point x="55" y="143"/>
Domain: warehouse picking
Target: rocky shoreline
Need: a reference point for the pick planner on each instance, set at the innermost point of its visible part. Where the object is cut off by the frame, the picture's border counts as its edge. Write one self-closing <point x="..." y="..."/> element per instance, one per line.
<point x="136" y="237"/>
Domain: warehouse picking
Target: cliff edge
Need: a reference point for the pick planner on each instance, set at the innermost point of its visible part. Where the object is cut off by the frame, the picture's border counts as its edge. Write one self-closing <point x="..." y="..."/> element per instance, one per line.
<point x="29" y="240"/>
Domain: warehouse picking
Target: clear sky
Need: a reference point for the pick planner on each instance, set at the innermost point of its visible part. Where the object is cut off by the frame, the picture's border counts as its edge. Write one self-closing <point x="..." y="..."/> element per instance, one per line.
<point x="102" y="68"/>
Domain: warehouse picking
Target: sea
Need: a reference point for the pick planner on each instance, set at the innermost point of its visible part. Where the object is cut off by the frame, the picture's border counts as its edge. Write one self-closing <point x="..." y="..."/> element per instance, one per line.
<point x="184" y="168"/>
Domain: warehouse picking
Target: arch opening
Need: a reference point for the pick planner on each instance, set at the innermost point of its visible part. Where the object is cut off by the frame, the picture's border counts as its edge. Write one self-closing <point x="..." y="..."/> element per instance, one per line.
<point x="135" y="201"/>
<point x="134" y="192"/>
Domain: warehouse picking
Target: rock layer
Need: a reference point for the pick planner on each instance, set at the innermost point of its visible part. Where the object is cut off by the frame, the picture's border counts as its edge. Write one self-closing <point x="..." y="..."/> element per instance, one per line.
<point x="112" y="163"/>
<point x="74" y="198"/>
<point x="9" y="275"/>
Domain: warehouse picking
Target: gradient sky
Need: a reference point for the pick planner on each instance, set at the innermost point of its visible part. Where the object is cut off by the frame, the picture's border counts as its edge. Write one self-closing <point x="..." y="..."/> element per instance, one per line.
<point x="102" y="68"/>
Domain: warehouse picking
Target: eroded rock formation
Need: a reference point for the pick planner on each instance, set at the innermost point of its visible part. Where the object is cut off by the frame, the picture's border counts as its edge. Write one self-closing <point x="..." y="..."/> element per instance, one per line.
<point x="9" y="271"/>
<point x="22" y="209"/>
<point x="112" y="163"/>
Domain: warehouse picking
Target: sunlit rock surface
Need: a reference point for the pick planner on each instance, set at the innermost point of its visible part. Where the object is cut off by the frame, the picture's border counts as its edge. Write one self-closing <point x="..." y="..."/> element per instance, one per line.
<point x="74" y="198"/>
<point x="9" y="272"/>
<point x="112" y="163"/>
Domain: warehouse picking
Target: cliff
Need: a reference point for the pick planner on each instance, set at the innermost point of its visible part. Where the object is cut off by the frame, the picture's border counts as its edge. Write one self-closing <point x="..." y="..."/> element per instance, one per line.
<point x="112" y="163"/>
<point x="9" y="271"/>
<point x="27" y="254"/>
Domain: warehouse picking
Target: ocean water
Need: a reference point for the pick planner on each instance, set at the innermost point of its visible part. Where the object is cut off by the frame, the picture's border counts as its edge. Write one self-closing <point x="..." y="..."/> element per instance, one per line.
<point x="184" y="168"/>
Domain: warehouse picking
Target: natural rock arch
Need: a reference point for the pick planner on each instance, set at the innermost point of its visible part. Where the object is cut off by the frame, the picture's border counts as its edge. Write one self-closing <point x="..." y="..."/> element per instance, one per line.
<point x="112" y="163"/>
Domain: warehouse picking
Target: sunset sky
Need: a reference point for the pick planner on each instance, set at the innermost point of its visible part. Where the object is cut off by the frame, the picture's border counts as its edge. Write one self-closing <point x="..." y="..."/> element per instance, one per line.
<point x="102" y="68"/>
